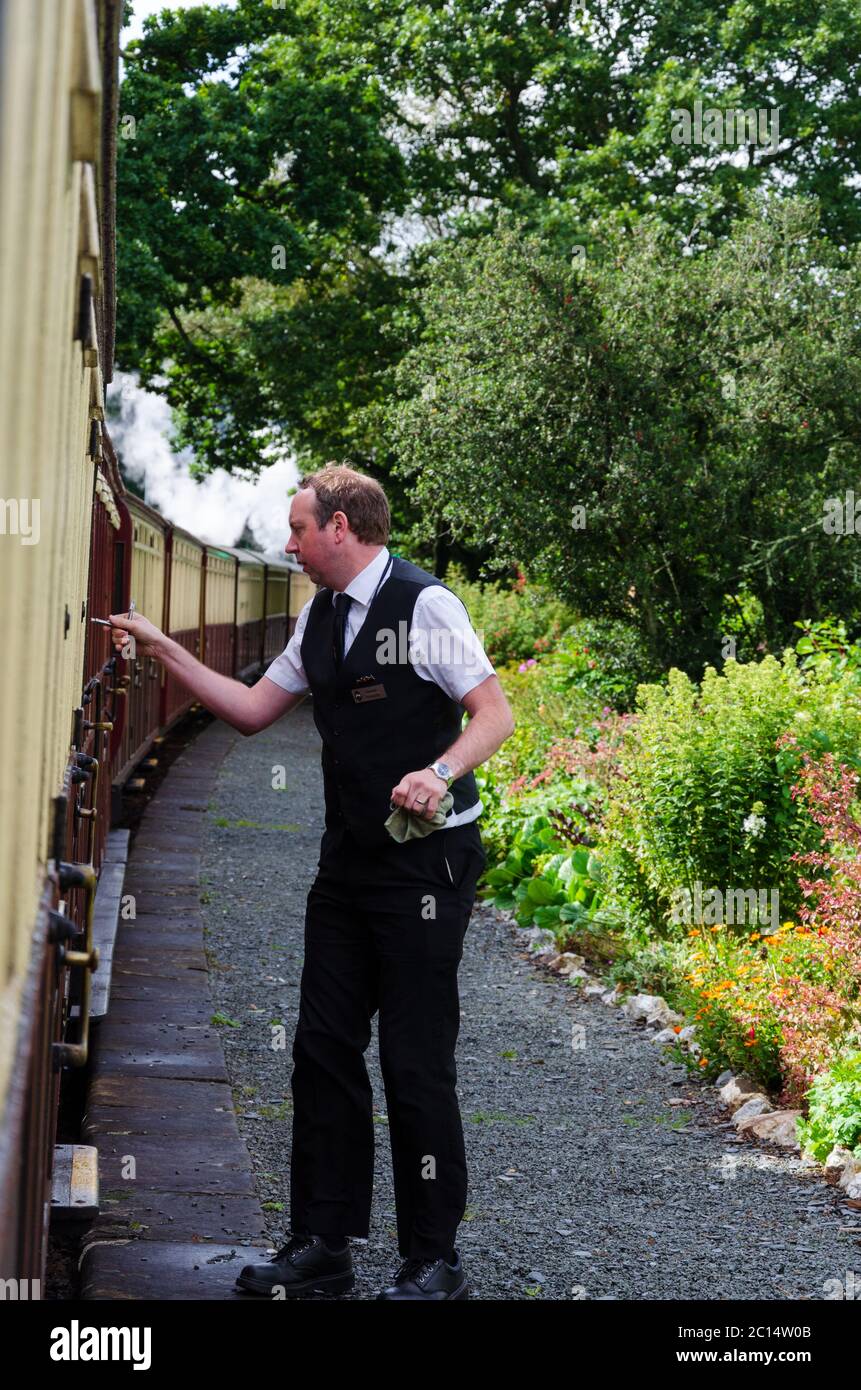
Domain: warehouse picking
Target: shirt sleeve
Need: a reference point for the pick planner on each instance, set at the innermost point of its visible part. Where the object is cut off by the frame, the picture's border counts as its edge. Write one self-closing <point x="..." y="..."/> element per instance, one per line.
<point x="287" y="669"/>
<point x="444" y="647"/>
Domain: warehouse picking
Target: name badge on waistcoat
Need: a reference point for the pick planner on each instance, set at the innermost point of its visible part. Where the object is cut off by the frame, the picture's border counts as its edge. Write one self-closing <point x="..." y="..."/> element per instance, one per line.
<point x="366" y="691"/>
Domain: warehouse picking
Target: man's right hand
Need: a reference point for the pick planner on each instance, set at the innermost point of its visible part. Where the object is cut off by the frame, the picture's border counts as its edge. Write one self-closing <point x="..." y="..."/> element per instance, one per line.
<point x="148" y="640"/>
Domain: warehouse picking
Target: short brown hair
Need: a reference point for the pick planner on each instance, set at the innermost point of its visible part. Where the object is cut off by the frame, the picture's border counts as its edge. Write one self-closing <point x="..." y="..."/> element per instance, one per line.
<point x="340" y="488"/>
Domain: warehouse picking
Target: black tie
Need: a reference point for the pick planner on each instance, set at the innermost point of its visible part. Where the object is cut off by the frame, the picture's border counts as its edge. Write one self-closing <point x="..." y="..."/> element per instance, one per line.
<point x="342" y="605"/>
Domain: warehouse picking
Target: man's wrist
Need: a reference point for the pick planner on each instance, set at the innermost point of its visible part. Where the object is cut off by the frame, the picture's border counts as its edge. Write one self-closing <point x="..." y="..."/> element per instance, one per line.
<point x="171" y="653"/>
<point x="444" y="770"/>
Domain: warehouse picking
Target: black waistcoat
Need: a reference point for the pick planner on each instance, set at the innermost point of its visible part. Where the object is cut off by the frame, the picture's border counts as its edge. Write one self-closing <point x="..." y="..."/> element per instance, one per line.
<point x="370" y="743"/>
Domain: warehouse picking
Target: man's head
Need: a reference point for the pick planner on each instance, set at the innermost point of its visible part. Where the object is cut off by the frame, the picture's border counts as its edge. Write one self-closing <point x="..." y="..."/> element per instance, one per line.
<point x="339" y="520"/>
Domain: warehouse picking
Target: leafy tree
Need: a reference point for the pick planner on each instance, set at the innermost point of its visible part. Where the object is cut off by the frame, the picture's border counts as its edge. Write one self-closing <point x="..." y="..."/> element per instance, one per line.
<point x="253" y="189"/>
<point x="647" y="432"/>
<point x="563" y="110"/>
<point x="357" y="137"/>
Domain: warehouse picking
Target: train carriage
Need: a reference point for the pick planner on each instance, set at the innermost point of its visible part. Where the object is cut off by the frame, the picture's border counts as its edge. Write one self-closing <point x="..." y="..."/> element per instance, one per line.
<point x="102" y="714"/>
<point x="74" y="545"/>
<point x="219" y="610"/>
<point x="301" y="590"/>
<point x="184" y="620"/>
<point x="142" y="675"/>
<point x="270" y="594"/>
<point x="58" y="512"/>
<point x="278" y="581"/>
<point x="249" y="611"/>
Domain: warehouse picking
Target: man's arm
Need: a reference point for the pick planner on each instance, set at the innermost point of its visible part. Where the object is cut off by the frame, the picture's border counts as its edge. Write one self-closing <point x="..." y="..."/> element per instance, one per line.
<point x="490" y="724"/>
<point x="247" y="708"/>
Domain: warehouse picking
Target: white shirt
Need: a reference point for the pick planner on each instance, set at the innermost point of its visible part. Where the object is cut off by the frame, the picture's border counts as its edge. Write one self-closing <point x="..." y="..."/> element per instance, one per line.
<point x="441" y="644"/>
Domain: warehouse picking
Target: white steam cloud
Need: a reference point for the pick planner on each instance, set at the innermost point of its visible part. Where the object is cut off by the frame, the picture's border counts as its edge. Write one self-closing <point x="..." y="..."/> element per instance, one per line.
<point x="218" y="507"/>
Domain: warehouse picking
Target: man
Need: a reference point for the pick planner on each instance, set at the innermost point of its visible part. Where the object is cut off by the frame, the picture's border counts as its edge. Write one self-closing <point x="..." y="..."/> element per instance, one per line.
<point x="391" y="661"/>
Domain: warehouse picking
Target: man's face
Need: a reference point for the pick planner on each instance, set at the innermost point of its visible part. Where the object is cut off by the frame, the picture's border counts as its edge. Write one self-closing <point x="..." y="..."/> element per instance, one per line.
<point x="312" y="547"/>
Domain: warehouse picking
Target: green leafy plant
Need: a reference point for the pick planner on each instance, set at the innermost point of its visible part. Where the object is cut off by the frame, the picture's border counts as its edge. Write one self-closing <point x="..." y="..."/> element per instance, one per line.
<point x="534" y="837"/>
<point x="606" y="659"/>
<point x="566" y="890"/>
<point x="516" y="622"/>
<point x="544" y="889"/>
<point x="706" y="792"/>
<point x="826" y="646"/>
<point x="834" y="1110"/>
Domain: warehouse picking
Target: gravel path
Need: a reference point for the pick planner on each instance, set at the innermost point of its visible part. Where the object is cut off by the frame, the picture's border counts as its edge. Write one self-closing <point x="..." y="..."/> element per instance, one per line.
<point x="585" y="1181"/>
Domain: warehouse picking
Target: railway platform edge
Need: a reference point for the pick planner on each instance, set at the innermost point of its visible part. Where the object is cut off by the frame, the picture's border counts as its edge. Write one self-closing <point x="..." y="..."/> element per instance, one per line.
<point x="178" y="1210"/>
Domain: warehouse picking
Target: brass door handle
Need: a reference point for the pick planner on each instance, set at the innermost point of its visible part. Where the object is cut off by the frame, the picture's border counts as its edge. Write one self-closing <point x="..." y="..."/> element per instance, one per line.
<point x="88" y="958"/>
<point x="90" y="767"/>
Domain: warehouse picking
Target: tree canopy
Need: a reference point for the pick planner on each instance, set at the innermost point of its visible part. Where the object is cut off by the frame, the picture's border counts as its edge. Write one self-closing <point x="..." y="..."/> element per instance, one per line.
<point x="287" y="172"/>
<point x="647" y="432"/>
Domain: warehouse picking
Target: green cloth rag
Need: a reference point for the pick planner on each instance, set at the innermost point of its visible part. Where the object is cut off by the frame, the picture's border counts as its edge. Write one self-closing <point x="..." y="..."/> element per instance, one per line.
<point x="406" y="825"/>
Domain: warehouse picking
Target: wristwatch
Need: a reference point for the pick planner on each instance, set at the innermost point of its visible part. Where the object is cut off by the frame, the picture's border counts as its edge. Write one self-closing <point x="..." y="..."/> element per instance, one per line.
<point x="442" y="770"/>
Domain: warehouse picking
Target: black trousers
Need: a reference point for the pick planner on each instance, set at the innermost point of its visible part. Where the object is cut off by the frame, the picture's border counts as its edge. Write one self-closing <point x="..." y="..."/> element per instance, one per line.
<point x="384" y="931"/>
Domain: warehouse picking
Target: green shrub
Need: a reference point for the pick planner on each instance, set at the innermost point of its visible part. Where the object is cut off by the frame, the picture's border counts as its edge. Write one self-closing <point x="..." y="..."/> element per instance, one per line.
<point x="834" y="1110"/>
<point x="606" y="659"/>
<point x="571" y="804"/>
<point x="515" y="623"/>
<point x="647" y="966"/>
<point x="826" y="645"/>
<point x="705" y="794"/>
<point x="542" y="715"/>
<point x="545" y="882"/>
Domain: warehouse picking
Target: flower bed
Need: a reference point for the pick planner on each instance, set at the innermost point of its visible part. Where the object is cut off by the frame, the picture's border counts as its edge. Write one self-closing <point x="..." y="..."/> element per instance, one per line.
<point x="610" y="829"/>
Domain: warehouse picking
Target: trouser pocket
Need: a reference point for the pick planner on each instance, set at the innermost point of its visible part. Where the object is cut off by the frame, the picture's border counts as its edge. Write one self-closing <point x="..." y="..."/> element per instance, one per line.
<point x="462" y="858"/>
<point x="448" y="867"/>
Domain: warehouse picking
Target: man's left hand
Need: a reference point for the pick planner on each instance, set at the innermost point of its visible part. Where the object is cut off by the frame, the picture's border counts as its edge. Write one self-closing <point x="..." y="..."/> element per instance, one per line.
<point x="420" y="792"/>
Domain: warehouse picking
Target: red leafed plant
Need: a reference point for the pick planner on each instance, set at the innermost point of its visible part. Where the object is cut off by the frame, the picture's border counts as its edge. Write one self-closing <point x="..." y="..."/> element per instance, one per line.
<point x="593" y="755"/>
<point x="818" y="1016"/>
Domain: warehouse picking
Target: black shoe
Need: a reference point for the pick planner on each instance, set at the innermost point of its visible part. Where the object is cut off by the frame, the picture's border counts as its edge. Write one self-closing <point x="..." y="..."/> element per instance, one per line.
<point x="432" y="1280"/>
<point x="303" y="1265"/>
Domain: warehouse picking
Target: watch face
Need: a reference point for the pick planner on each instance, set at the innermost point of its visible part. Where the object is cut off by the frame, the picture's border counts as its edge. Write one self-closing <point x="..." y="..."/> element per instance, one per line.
<point x="443" y="769"/>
